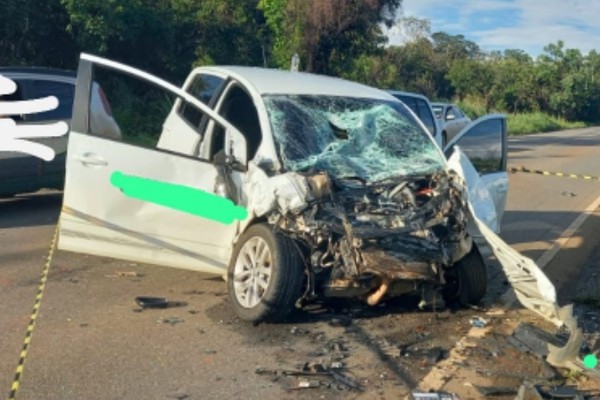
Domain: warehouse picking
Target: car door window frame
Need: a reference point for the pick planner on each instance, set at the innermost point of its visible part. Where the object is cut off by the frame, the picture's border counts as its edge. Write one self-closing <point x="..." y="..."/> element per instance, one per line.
<point x="502" y="167"/>
<point x="212" y="130"/>
<point x="181" y="108"/>
<point x="33" y="93"/>
<point x="83" y="90"/>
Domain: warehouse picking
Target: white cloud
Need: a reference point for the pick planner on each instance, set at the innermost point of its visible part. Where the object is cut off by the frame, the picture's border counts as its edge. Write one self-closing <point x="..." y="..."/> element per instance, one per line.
<point x="573" y="21"/>
<point x="533" y="23"/>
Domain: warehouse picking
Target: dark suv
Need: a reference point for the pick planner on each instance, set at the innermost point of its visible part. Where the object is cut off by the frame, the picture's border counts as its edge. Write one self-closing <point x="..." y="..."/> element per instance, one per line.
<point x="22" y="173"/>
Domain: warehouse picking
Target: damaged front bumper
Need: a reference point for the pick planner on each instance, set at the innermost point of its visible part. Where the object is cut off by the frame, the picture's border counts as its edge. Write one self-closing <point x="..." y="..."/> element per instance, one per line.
<point x="368" y="240"/>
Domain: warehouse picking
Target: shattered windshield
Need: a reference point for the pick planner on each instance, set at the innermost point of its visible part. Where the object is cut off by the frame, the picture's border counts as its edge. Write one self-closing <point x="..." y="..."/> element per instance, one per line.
<point x="368" y="139"/>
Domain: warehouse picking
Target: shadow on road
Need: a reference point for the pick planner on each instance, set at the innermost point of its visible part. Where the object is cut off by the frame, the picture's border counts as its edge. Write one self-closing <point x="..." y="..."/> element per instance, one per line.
<point x="537" y="230"/>
<point x="37" y="209"/>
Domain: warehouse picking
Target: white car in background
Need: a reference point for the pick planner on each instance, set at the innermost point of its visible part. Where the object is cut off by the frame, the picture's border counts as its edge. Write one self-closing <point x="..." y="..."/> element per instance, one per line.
<point x="451" y="118"/>
<point x="346" y="193"/>
<point x="23" y="173"/>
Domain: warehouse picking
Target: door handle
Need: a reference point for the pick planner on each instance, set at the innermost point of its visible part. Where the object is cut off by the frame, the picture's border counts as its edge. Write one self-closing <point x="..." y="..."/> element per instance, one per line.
<point x="91" y="159"/>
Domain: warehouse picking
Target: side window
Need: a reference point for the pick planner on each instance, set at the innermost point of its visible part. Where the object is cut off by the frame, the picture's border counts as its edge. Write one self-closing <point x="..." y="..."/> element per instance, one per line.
<point x="127" y="108"/>
<point x="483" y="145"/>
<point x="457" y="112"/>
<point x="238" y="108"/>
<point x="64" y="92"/>
<point x="17" y="95"/>
<point x="426" y="116"/>
<point x="203" y="88"/>
<point x="450" y="114"/>
<point x="421" y="109"/>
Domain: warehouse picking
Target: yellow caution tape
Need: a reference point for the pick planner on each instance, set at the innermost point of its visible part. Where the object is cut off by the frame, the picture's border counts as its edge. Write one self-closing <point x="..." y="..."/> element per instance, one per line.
<point x="36" y="310"/>
<point x="550" y="173"/>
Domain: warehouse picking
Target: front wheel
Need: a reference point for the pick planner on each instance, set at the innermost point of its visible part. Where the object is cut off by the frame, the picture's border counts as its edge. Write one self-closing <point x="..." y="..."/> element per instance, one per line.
<point x="466" y="281"/>
<point x="265" y="275"/>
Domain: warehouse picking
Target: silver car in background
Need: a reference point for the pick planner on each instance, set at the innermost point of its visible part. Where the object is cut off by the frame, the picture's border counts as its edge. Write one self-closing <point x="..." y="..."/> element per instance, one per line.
<point x="451" y="119"/>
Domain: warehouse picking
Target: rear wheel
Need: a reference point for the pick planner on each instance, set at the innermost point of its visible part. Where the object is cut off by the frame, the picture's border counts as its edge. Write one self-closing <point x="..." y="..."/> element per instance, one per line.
<point x="466" y="281"/>
<point x="265" y="275"/>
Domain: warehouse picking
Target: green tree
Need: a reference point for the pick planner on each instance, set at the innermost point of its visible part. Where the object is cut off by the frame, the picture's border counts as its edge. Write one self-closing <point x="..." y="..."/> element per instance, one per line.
<point x="328" y="35"/>
<point x="34" y="33"/>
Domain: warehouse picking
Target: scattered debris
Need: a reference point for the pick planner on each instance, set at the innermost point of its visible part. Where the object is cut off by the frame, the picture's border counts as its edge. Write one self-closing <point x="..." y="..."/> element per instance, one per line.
<point x="495" y="390"/>
<point x="194" y="292"/>
<point x="157" y="302"/>
<point x="179" y="396"/>
<point x="389" y="349"/>
<point x="529" y="338"/>
<point x="429" y="356"/>
<point x="341" y="321"/>
<point x="170" y="320"/>
<point x="569" y="194"/>
<point x="478" y="322"/>
<point x="337" y="365"/>
<point x="125" y="274"/>
<point x="315" y="369"/>
<point x="298" y="331"/>
<point x="496" y="311"/>
<point x="562" y="392"/>
<point x="434" y="396"/>
<point x="210" y="351"/>
<point x="528" y="392"/>
<point x="305" y="384"/>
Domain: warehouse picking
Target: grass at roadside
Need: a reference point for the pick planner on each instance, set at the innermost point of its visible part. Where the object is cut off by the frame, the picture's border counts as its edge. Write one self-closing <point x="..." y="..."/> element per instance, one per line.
<point x="537" y="122"/>
<point x="523" y="123"/>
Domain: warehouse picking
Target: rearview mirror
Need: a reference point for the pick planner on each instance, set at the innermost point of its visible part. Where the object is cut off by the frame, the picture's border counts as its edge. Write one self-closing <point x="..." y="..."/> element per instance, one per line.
<point x="235" y="147"/>
<point x="450" y="117"/>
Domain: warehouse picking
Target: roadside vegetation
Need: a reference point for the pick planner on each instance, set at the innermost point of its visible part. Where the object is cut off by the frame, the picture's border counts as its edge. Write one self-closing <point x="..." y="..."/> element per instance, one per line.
<point x="523" y="123"/>
<point x="559" y="89"/>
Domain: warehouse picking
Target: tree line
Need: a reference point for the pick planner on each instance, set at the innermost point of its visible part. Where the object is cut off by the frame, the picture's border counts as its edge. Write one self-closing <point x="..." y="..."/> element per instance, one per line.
<point x="343" y="38"/>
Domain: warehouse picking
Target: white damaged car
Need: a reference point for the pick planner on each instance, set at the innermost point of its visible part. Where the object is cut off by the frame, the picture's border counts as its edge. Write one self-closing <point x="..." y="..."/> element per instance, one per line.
<point x="344" y="191"/>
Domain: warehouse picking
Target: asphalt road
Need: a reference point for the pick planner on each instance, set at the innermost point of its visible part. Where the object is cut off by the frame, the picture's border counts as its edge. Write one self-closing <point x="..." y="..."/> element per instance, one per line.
<point x="89" y="343"/>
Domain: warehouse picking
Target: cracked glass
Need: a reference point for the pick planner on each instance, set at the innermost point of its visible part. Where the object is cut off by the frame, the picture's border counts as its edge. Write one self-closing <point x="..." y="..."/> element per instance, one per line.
<point x="367" y="139"/>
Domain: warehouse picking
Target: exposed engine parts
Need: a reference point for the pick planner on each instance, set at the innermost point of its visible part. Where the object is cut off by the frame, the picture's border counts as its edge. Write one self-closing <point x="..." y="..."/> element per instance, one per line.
<point x="373" y="240"/>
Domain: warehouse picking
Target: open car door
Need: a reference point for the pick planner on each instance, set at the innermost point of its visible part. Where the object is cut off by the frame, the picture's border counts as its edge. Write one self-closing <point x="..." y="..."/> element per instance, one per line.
<point x="119" y="195"/>
<point x="484" y="143"/>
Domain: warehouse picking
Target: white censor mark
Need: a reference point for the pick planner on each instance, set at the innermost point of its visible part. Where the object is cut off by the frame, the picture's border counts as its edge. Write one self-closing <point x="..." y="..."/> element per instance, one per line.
<point x="13" y="137"/>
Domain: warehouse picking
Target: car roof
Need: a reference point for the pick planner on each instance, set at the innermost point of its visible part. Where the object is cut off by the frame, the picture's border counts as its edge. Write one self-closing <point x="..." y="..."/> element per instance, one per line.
<point x="276" y="81"/>
<point x="38" y="71"/>
<point x="407" y="94"/>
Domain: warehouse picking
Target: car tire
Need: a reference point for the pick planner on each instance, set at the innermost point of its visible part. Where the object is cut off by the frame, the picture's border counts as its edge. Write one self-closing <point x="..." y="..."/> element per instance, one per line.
<point x="467" y="280"/>
<point x="265" y="275"/>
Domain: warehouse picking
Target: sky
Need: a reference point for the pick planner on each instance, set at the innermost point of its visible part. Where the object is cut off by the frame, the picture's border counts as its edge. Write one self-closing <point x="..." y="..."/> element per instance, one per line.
<point x="528" y="25"/>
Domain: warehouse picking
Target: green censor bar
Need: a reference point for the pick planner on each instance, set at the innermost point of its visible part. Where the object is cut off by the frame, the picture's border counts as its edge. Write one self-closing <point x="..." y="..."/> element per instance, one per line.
<point x="179" y="197"/>
<point x="590" y="361"/>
